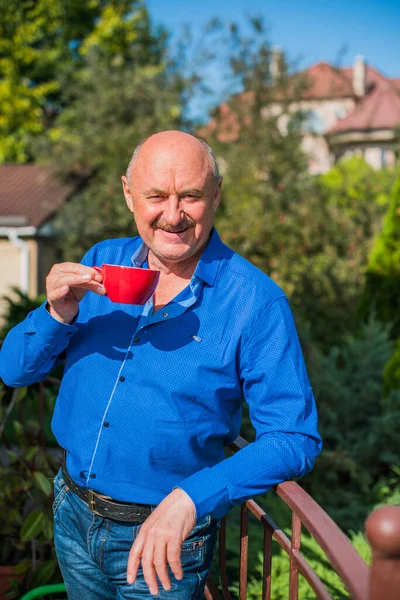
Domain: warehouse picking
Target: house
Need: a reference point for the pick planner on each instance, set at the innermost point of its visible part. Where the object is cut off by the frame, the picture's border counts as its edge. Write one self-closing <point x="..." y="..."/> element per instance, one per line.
<point x="350" y="111"/>
<point x="30" y="195"/>
<point x="354" y="111"/>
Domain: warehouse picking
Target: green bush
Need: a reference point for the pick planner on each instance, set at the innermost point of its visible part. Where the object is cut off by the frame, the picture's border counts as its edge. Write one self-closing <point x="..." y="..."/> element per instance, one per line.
<point x="317" y="560"/>
<point x="26" y="495"/>
<point x="383" y="275"/>
<point x="358" y="423"/>
<point x="313" y="236"/>
<point x="17" y="309"/>
<point x="391" y="375"/>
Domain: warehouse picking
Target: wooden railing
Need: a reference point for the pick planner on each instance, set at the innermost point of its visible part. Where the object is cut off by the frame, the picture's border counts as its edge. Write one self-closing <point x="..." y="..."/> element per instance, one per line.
<point x="381" y="581"/>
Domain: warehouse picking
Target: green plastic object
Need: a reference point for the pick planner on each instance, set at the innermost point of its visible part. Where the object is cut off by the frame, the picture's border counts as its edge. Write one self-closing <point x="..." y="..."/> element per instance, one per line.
<point x="44" y="590"/>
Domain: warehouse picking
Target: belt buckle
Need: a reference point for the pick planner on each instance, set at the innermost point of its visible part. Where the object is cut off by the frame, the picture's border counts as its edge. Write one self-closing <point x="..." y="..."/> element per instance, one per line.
<point x="92" y="502"/>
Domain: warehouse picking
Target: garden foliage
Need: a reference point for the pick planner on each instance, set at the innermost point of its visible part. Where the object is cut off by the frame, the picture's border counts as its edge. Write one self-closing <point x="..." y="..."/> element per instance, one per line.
<point x="87" y="86"/>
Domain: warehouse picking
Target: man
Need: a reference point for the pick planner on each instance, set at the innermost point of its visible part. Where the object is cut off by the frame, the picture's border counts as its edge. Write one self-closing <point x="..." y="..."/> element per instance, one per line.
<point x="151" y="395"/>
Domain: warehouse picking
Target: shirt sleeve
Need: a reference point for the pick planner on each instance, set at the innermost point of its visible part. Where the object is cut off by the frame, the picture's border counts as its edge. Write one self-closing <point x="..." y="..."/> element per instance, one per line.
<point x="282" y="410"/>
<point x="32" y="348"/>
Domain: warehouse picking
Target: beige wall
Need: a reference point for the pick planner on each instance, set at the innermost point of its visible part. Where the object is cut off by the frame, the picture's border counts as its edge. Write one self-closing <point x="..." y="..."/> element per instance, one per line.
<point x="46" y="258"/>
<point x="33" y="268"/>
<point x="379" y="154"/>
<point x="42" y="256"/>
<point x="323" y="114"/>
<point x="9" y="270"/>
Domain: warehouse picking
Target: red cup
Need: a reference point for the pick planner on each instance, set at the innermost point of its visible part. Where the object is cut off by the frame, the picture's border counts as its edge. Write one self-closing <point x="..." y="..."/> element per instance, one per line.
<point x="128" y="285"/>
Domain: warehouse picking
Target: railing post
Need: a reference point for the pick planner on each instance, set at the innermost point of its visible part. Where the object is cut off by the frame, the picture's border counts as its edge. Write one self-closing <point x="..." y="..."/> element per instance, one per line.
<point x="383" y="533"/>
<point x="244" y="550"/>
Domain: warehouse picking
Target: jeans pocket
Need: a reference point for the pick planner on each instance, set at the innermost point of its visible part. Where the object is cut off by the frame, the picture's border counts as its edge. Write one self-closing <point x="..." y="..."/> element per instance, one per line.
<point x="201" y="526"/>
<point x="60" y="490"/>
<point x="192" y="553"/>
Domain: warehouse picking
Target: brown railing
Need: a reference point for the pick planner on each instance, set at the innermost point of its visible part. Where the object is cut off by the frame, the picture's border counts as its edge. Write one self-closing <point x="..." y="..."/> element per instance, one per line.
<point x="381" y="581"/>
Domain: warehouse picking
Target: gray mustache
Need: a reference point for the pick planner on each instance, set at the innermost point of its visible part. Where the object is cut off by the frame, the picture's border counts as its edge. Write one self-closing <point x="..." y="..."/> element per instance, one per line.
<point x="185" y="224"/>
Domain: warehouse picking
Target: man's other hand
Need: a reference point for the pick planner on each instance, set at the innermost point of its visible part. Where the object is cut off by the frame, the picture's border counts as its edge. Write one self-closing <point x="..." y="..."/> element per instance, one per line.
<point x="160" y="540"/>
<point x="66" y="285"/>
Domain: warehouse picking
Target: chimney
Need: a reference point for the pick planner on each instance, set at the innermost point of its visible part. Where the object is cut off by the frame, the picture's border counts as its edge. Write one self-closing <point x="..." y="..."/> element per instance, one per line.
<point x="276" y="62"/>
<point x="359" y="76"/>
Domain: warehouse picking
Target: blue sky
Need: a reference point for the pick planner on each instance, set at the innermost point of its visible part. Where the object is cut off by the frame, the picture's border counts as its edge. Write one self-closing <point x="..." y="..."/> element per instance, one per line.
<point x="310" y="30"/>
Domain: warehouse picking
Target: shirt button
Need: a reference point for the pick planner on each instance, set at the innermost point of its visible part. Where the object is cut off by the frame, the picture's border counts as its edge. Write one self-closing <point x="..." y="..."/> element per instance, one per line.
<point x="136" y="339"/>
<point x="165" y="315"/>
<point x="106" y="424"/>
<point x="93" y="475"/>
<point x="122" y="378"/>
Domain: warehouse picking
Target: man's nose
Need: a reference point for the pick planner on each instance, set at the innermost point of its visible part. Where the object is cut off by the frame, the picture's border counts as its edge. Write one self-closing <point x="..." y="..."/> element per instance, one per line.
<point x="173" y="211"/>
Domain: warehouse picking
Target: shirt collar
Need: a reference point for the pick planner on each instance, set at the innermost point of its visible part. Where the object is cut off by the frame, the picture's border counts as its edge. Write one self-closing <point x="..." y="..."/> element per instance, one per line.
<point x="208" y="265"/>
<point x="139" y="257"/>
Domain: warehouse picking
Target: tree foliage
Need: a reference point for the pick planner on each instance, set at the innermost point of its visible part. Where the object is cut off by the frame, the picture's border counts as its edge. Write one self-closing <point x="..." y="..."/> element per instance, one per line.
<point x="383" y="275"/>
<point x="311" y="235"/>
<point x="42" y="44"/>
<point x="83" y="82"/>
<point x="125" y="89"/>
<point x="358" y="423"/>
<point x="381" y="295"/>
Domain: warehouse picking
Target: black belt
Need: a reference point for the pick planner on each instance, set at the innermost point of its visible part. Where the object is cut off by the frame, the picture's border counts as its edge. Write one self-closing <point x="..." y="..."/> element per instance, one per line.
<point x="107" y="507"/>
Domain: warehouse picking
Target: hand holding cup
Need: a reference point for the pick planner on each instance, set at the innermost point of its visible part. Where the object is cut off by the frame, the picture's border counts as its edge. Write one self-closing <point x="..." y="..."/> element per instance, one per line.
<point x="66" y="285"/>
<point x="128" y="285"/>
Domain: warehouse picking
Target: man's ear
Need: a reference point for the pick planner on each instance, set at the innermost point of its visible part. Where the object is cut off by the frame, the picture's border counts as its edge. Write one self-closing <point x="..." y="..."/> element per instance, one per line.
<point x="127" y="193"/>
<point x="217" y="193"/>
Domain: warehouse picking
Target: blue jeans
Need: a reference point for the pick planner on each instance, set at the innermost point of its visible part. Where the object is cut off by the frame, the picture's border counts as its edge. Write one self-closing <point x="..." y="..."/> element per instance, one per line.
<point x="93" y="553"/>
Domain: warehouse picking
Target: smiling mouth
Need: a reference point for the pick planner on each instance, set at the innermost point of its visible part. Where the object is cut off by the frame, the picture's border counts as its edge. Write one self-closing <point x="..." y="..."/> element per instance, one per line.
<point x="176" y="231"/>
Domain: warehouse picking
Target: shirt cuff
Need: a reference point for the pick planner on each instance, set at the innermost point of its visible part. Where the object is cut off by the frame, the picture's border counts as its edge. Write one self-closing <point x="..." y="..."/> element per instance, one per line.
<point x="48" y="328"/>
<point x="207" y="493"/>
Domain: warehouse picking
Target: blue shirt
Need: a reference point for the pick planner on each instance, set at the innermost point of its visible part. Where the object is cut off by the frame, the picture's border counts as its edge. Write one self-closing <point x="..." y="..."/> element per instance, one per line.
<point x="148" y="401"/>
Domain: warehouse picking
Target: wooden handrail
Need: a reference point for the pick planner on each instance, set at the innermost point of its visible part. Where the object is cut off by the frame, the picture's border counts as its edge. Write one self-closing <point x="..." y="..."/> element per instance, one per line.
<point x="344" y="558"/>
<point x="380" y="582"/>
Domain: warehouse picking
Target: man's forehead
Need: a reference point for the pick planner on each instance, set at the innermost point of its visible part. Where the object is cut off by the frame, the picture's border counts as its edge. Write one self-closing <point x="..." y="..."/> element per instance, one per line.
<point x="160" y="166"/>
<point x="179" y="157"/>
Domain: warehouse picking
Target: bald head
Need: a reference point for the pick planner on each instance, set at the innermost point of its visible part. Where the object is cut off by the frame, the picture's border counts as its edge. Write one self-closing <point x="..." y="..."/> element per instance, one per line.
<point x="174" y="141"/>
<point x="173" y="192"/>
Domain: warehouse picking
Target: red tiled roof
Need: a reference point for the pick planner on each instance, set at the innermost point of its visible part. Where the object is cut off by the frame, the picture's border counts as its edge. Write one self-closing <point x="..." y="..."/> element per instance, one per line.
<point x="379" y="109"/>
<point x="329" y="82"/>
<point x="31" y="193"/>
<point x="373" y="76"/>
<point x="326" y="81"/>
<point x="395" y="83"/>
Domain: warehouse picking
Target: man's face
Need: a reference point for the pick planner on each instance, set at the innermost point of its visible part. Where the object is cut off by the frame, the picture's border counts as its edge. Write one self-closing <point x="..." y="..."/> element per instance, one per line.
<point x="173" y="195"/>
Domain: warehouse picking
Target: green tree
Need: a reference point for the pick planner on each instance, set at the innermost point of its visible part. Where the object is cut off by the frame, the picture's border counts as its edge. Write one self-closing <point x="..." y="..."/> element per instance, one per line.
<point x="358" y="424"/>
<point x="381" y="295"/>
<point x="353" y="185"/>
<point x="109" y="112"/>
<point x="312" y="235"/>
<point x="42" y="43"/>
<point x="391" y="375"/>
<point x="383" y="275"/>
